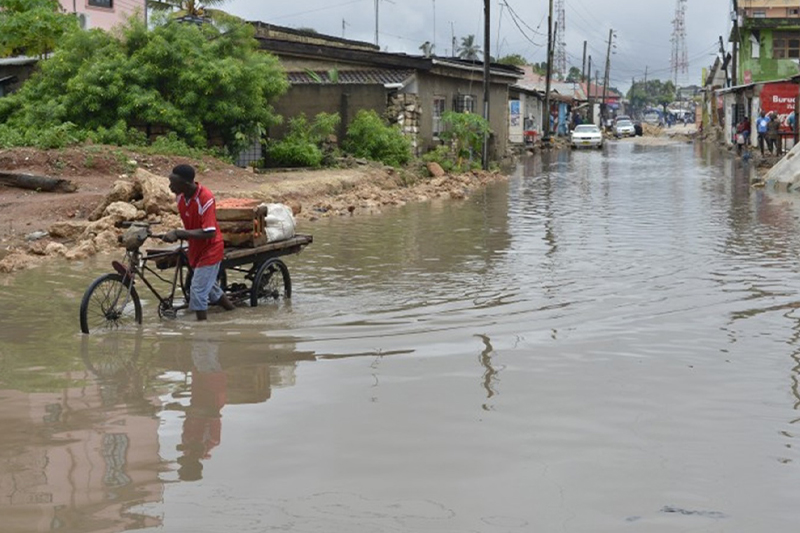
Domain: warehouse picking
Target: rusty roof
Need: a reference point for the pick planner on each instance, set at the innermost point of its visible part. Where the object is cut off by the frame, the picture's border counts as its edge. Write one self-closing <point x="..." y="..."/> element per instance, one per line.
<point x="351" y="77"/>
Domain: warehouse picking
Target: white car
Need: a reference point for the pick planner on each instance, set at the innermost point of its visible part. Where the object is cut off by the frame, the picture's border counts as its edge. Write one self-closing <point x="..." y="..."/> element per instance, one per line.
<point x="586" y="135"/>
<point x="625" y="128"/>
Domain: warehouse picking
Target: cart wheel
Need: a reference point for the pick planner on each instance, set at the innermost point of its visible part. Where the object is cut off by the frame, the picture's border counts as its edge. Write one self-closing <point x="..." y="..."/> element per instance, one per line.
<point x="109" y="303"/>
<point x="271" y="284"/>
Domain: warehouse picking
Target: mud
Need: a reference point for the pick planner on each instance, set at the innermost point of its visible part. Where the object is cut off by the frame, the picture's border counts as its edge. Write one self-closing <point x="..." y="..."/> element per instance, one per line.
<point x="117" y="186"/>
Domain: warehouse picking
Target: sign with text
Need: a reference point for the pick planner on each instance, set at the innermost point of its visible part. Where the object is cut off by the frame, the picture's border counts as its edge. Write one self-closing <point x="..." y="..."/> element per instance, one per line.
<point x="779" y="98"/>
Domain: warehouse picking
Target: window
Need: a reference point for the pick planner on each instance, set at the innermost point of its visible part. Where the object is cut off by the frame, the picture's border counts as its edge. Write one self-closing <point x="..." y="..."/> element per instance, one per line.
<point x="439" y="103"/>
<point x="792" y="12"/>
<point x="786" y="45"/>
<point x="759" y="14"/>
<point x="101" y="3"/>
<point x="465" y="103"/>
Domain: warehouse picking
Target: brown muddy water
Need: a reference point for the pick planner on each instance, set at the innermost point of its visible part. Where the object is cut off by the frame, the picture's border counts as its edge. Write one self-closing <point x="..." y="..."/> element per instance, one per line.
<point x="608" y="342"/>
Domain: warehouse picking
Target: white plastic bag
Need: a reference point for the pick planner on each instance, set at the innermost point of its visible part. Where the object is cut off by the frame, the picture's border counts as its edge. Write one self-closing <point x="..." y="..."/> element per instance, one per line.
<point x="280" y="222"/>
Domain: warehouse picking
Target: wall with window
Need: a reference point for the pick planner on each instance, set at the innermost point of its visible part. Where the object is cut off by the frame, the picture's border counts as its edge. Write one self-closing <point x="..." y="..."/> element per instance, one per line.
<point x="441" y="93"/>
<point x="103" y="14"/>
<point x="769" y="53"/>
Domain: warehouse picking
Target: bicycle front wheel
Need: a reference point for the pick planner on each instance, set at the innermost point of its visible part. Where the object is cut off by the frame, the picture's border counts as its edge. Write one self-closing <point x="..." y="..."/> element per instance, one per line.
<point x="109" y="304"/>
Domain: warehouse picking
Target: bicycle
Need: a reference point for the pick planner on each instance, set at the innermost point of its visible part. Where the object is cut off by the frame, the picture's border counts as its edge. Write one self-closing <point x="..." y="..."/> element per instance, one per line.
<point x="112" y="302"/>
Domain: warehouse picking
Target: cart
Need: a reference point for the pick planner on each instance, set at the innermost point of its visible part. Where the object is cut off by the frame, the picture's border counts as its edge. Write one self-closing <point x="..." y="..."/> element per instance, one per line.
<point x="254" y="275"/>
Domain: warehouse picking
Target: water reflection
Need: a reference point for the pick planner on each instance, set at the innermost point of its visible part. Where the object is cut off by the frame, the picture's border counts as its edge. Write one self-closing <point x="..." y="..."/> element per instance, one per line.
<point x="653" y="280"/>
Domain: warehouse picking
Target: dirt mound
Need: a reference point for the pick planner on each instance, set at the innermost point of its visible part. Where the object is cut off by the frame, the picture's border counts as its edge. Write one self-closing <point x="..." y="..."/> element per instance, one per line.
<point x="120" y="185"/>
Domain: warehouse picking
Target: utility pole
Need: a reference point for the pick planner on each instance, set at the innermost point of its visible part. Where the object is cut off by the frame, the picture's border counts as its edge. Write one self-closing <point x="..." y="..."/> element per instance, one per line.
<point x="734" y="65"/>
<point x="608" y="72"/>
<point x="589" y="91"/>
<point x="546" y="114"/>
<point x="453" y="34"/>
<point x="486" y="73"/>
<point x="377" y="18"/>
<point x="583" y="67"/>
<point x="434" y="25"/>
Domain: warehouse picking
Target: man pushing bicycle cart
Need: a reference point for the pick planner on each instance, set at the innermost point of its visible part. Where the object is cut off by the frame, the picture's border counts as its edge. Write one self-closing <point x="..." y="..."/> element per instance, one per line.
<point x="197" y="209"/>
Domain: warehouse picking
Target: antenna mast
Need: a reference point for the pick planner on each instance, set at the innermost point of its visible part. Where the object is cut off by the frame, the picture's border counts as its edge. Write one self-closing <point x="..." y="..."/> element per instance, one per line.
<point x="680" y="56"/>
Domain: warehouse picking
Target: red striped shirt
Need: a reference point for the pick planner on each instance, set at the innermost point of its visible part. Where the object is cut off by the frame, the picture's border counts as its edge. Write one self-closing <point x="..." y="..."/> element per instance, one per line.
<point x="200" y="212"/>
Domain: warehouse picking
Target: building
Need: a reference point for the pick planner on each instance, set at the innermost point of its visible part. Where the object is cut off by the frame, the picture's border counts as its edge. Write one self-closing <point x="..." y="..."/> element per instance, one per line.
<point x="768" y="37"/>
<point x="14" y="71"/>
<point x="333" y="75"/>
<point x="103" y="14"/>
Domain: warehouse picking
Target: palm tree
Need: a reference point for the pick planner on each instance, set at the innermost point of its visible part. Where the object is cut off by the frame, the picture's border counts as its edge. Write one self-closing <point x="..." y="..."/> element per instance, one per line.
<point x="187" y="8"/>
<point x="469" y="49"/>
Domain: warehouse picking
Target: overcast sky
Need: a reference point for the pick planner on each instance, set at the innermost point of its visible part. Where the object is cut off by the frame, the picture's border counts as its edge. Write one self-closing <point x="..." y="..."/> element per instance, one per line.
<point x="643" y="28"/>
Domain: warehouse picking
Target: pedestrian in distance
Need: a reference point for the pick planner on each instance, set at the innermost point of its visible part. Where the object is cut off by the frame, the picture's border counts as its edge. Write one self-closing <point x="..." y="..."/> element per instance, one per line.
<point x="761" y="130"/>
<point x="742" y="134"/>
<point x="197" y="209"/>
<point x="774" y="134"/>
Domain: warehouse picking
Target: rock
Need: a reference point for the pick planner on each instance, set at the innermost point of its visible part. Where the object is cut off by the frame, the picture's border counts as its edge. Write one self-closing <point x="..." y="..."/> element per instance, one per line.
<point x="97" y="227"/>
<point x="82" y="251"/>
<point x="436" y="170"/>
<point x="55" y="248"/>
<point x="121" y="191"/>
<point x="18" y="261"/>
<point x="121" y="211"/>
<point x="36" y="235"/>
<point x="69" y="229"/>
<point x="107" y="240"/>
<point x="157" y="198"/>
<point x="296" y="207"/>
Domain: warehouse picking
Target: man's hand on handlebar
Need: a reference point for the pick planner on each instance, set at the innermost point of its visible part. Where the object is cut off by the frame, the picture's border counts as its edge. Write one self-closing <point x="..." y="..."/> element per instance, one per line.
<point x="171" y="236"/>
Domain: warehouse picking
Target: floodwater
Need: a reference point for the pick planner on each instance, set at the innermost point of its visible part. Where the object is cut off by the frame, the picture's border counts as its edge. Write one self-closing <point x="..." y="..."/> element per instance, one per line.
<point x="608" y="342"/>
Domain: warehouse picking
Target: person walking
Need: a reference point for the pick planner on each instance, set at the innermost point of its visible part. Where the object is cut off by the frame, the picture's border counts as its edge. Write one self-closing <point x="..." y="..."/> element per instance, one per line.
<point x="774" y="134"/>
<point x="197" y="209"/>
<point x="761" y="130"/>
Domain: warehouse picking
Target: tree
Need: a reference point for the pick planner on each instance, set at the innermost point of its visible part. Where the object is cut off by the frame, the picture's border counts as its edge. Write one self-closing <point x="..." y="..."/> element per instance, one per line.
<point x="515" y="60"/>
<point x="574" y="75"/>
<point x="469" y="49"/>
<point x="189" y="8"/>
<point x="33" y="27"/>
<point x="655" y="93"/>
<point x="196" y="81"/>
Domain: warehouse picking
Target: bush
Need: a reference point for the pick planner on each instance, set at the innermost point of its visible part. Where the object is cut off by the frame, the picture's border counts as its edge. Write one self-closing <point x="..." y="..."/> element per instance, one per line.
<point x="465" y="132"/>
<point x="370" y="137"/>
<point x="302" y="146"/>
<point x="199" y="82"/>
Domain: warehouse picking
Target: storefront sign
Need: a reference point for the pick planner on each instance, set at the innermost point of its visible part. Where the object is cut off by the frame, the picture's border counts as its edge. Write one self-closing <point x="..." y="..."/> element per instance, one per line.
<point x="779" y="98"/>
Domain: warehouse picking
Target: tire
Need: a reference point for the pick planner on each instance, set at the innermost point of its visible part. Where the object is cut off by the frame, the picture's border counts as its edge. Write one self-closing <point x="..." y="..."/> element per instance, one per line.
<point x="271" y="284"/>
<point x="107" y="304"/>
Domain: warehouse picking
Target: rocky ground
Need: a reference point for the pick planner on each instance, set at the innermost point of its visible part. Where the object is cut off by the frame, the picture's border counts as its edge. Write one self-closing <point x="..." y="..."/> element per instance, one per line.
<point x="115" y="185"/>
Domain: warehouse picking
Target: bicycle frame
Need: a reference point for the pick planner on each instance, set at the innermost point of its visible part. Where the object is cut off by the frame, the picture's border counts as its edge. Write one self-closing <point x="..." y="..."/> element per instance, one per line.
<point x="137" y="266"/>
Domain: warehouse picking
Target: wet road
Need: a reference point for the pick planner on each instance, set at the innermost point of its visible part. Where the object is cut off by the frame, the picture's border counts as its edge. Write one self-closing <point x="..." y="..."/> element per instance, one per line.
<point x="608" y="342"/>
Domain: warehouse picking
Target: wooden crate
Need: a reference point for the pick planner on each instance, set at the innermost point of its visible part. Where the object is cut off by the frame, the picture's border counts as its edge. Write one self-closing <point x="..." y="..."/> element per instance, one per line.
<point x="242" y="222"/>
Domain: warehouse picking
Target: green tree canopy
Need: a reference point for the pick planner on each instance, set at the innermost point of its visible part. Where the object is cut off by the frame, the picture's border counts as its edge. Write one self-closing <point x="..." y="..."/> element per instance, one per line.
<point x="575" y="75"/>
<point x="196" y="81"/>
<point x="654" y="93"/>
<point x="515" y="60"/>
<point x="32" y="27"/>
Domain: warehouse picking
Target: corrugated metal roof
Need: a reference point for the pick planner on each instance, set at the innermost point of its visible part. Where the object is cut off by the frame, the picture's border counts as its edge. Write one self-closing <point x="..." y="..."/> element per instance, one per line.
<point x="19" y="60"/>
<point x="360" y="77"/>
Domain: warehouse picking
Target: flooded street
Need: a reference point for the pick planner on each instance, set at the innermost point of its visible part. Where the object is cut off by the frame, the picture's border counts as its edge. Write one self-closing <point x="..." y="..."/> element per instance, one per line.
<point x="607" y="342"/>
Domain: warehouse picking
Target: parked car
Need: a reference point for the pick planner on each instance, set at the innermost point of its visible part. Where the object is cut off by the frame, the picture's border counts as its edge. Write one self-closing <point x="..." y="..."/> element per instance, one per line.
<point x="625" y="128"/>
<point x="586" y="135"/>
<point x="620" y="118"/>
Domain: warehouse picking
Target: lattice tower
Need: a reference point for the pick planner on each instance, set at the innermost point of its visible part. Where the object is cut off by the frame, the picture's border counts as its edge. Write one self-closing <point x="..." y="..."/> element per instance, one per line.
<point x="679" y="62"/>
<point x="560" y="60"/>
